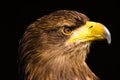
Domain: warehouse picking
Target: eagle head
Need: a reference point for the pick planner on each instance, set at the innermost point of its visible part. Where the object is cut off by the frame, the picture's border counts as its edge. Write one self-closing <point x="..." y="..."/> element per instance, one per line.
<point x="55" y="46"/>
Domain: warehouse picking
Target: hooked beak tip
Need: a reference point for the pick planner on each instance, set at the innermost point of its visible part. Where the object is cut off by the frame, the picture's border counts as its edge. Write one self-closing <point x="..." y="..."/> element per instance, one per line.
<point x="107" y="35"/>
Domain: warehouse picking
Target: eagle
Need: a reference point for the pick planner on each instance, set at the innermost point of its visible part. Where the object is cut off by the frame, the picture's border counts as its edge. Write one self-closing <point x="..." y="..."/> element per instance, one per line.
<point x="55" y="47"/>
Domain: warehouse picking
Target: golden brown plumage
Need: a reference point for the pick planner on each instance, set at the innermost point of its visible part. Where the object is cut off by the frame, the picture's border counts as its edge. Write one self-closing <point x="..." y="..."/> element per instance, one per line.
<point x="49" y="49"/>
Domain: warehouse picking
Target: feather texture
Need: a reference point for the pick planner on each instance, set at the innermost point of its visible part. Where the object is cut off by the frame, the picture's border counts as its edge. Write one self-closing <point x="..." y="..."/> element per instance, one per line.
<point x="44" y="54"/>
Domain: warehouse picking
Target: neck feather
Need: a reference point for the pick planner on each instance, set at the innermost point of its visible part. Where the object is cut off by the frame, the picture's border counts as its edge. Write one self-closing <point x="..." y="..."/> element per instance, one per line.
<point x="66" y="63"/>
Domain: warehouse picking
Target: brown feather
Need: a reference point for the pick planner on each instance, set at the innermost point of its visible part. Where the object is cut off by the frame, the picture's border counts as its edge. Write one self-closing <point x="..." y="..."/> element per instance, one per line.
<point x="44" y="55"/>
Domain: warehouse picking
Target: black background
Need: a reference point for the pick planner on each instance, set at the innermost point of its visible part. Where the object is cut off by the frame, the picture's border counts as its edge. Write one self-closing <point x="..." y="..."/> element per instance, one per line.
<point x="16" y="16"/>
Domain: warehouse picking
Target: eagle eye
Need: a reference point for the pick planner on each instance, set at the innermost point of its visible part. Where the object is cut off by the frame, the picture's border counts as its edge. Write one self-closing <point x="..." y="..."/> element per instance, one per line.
<point x="67" y="30"/>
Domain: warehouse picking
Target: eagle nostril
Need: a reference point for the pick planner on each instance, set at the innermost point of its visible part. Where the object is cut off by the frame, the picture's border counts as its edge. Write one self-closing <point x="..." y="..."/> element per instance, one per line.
<point x="90" y="26"/>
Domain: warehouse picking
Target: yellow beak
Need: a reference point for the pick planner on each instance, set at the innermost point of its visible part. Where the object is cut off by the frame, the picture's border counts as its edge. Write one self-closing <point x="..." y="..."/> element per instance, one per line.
<point x="89" y="32"/>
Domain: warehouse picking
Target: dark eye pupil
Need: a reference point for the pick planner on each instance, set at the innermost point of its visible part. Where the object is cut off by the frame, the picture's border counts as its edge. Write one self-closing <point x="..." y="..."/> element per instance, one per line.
<point x="67" y="30"/>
